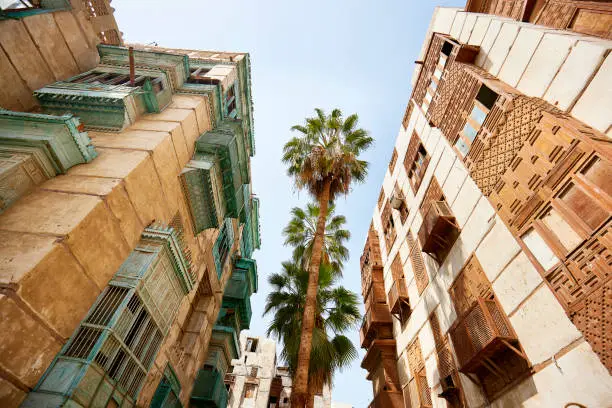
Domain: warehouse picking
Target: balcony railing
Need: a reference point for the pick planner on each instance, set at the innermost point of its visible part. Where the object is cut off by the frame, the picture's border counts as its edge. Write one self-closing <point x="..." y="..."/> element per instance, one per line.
<point x="439" y="230"/>
<point x="376" y="323"/>
<point x="398" y="296"/>
<point x="387" y="399"/>
<point x="209" y="390"/>
<point x="482" y="333"/>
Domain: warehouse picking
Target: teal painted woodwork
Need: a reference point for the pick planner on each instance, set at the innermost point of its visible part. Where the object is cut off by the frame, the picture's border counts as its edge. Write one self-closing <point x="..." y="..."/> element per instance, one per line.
<point x="209" y="390"/>
<point x="250" y="267"/>
<point x="59" y="138"/>
<point x="46" y="6"/>
<point x="168" y="391"/>
<point x="255" y="223"/>
<point x="176" y="66"/>
<point x="112" y="350"/>
<point x="223" y="245"/>
<point x="227" y="143"/>
<point x="103" y="106"/>
<point x="201" y="181"/>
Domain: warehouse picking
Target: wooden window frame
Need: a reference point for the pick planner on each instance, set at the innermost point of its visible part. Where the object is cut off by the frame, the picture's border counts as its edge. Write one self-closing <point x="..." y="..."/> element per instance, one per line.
<point x="577" y="180"/>
<point x="475" y="125"/>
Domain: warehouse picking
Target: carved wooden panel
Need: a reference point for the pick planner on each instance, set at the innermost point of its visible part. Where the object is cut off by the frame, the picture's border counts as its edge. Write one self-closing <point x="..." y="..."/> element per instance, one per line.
<point x="555" y="148"/>
<point x="429" y="65"/>
<point x="587" y="17"/>
<point x="421" y="277"/>
<point x="460" y="89"/>
<point x="470" y="285"/>
<point x="393" y="160"/>
<point x="381" y="198"/>
<point x="433" y="193"/>
<point x="416" y="151"/>
<point x="514" y="128"/>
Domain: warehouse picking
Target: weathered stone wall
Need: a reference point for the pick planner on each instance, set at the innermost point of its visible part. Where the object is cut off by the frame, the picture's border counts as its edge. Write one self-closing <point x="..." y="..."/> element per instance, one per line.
<point x="43" y="48"/>
<point x="62" y="243"/>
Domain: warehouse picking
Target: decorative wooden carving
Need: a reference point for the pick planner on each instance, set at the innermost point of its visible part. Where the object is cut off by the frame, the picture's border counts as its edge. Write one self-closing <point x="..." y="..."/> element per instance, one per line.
<point x="512" y="130"/>
<point x="418" y="266"/>
<point x="587" y="17"/>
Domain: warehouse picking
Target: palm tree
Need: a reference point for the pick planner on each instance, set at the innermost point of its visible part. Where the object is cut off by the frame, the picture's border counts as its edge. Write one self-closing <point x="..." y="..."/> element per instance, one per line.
<point x="336" y="311"/>
<point x="324" y="160"/>
<point x="300" y="233"/>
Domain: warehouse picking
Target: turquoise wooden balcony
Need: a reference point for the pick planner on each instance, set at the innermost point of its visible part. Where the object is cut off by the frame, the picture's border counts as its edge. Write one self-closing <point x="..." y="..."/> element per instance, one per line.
<point x="104" y="97"/>
<point x="249" y="267"/>
<point x="227" y="143"/>
<point x="209" y="389"/>
<point x="202" y="185"/>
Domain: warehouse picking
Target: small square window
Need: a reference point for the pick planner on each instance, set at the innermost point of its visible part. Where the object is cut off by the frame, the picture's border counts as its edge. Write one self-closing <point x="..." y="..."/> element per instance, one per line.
<point x="486" y="96"/>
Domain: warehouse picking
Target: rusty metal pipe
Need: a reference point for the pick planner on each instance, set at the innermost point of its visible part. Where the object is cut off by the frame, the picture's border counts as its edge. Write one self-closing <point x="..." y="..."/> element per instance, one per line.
<point x="132" y="73"/>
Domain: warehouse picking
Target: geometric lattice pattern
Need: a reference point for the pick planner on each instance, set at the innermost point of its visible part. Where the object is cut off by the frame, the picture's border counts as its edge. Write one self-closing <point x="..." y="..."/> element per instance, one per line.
<point x="583" y="286"/>
<point x="594" y="320"/>
<point x="591" y="18"/>
<point x="506" y="141"/>
<point x="418" y="266"/>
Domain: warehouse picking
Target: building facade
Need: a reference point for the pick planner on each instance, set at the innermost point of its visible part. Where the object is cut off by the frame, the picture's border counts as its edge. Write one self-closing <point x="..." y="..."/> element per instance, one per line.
<point x="127" y="217"/>
<point x="257" y="382"/>
<point x="486" y="270"/>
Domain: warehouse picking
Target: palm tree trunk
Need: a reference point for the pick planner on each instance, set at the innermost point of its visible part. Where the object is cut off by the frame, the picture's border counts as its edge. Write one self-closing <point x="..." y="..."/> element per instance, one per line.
<point x="299" y="394"/>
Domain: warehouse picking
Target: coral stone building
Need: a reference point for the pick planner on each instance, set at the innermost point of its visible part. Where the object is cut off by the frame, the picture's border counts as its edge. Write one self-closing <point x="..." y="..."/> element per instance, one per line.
<point x="486" y="270"/>
<point x="127" y="217"/>
<point x="257" y="382"/>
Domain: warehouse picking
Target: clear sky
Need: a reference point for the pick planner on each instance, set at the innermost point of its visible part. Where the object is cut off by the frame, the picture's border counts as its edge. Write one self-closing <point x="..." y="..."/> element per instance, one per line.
<point x="355" y="55"/>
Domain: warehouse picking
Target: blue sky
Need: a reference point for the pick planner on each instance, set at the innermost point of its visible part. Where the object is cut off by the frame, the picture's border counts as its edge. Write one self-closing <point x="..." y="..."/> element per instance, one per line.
<point x="351" y="54"/>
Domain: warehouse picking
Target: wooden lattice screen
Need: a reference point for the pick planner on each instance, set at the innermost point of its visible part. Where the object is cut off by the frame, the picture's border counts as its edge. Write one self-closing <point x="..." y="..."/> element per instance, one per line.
<point x="470" y="284"/>
<point x="418" y="266"/>
<point x="433" y="193"/>
<point x="420" y="393"/>
<point x="393" y="160"/>
<point x="396" y="268"/>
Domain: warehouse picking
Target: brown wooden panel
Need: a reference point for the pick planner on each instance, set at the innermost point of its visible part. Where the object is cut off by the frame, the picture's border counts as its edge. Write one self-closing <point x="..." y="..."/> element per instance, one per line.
<point x="418" y="266"/>
<point x="393" y="160"/>
<point x="470" y="285"/>
<point x="433" y="193"/>
<point x="587" y="17"/>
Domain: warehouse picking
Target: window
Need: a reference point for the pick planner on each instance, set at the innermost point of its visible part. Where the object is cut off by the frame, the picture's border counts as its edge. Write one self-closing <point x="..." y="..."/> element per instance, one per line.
<point x="168" y="391"/>
<point x="116" y="78"/>
<point x="416" y="162"/>
<point x="388" y="226"/>
<point x="447" y="48"/>
<point x="223" y="245"/>
<point x="250" y="390"/>
<point x="482" y="105"/>
<point x="486" y="97"/>
<point x="251" y="345"/>
<point x="197" y="75"/>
